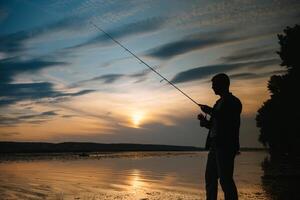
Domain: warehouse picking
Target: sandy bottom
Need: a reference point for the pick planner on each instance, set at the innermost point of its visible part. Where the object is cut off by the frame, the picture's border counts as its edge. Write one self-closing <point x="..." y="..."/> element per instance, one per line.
<point x="130" y="176"/>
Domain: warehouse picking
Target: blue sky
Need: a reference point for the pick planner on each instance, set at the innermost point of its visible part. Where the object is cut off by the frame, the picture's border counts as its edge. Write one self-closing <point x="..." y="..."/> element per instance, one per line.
<point x="61" y="79"/>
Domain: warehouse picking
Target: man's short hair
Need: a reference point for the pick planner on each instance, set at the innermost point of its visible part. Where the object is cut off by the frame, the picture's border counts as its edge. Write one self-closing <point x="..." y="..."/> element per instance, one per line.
<point x="222" y="79"/>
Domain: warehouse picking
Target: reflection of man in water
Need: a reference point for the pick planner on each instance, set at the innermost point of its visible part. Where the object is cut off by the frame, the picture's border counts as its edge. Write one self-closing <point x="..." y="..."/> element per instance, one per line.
<point x="222" y="140"/>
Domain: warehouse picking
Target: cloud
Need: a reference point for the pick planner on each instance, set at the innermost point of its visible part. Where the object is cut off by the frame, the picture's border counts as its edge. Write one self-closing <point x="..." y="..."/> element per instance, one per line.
<point x="250" y="75"/>
<point x="112" y="78"/>
<point x="252" y="53"/>
<point x="78" y="21"/>
<point x="12" y="43"/>
<point x="244" y="75"/>
<point x="82" y="92"/>
<point x="139" y="27"/>
<point x="180" y="47"/>
<point x="141" y="76"/>
<point x="230" y="34"/>
<point x="207" y="71"/>
<point x="15" y="42"/>
<point x="8" y="134"/>
<point x="16" y="92"/>
<point x="132" y="29"/>
<point x="240" y="12"/>
<point x="49" y="113"/>
<point x="108" y="78"/>
<point x="10" y="67"/>
<point x="43" y="114"/>
<point x="191" y="43"/>
<point x="33" y="118"/>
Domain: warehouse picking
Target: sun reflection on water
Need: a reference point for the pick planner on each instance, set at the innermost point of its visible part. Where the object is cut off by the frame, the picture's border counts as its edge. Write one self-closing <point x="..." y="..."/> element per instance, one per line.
<point x="136" y="182"/>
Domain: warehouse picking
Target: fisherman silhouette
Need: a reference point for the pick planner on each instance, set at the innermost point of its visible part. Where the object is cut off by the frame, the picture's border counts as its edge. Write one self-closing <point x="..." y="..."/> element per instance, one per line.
<point x="222" y="140"/>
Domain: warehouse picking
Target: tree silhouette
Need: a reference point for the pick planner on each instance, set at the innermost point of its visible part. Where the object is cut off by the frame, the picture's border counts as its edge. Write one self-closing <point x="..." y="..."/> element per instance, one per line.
<point x="279" y="117"/>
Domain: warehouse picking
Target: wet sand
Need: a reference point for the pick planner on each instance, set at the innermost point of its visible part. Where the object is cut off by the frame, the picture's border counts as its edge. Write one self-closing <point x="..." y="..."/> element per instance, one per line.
<point x="130" y="176"/>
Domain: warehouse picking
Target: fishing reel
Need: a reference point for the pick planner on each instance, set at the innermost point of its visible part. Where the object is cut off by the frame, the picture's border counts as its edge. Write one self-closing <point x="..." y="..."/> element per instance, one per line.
<point x="202" y="116"/>
<point x="203" y="119"/>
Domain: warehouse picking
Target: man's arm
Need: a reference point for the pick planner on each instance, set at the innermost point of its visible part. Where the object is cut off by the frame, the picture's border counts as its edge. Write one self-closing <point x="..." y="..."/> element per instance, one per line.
<point x="207" y="109"/>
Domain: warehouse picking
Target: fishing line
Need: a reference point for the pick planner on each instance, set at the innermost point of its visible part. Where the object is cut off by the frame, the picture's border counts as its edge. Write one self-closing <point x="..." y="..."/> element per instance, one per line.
<point x="143" y="62"/>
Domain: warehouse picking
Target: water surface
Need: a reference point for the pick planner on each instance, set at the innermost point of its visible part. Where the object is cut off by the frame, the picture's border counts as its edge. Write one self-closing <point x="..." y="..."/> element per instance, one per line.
<point x="130" y="176"/>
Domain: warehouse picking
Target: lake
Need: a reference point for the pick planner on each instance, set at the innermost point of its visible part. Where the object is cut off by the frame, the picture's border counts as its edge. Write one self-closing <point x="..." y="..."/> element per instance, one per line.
<point x="130" y="176"/>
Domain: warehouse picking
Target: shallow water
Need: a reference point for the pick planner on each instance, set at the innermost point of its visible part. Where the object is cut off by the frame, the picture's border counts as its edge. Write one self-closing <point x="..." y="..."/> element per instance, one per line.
<point x="132" y="176"/>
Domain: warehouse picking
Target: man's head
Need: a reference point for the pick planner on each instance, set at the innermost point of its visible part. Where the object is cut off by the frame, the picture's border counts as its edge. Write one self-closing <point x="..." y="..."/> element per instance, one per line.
<point x="220" y="84"/>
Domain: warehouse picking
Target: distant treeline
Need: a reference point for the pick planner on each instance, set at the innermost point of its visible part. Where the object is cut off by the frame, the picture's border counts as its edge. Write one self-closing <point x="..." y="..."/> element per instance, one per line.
<point x="40" y="147"/>
<point x="43" y="147"/>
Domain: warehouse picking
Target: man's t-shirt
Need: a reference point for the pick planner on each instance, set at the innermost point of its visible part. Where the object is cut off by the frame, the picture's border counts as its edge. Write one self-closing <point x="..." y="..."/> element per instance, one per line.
<point x="214" y="125"/>
<point x="225" y="123"/>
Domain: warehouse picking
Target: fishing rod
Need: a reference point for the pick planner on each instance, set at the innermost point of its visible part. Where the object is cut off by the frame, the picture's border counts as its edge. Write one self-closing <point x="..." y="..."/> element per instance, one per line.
<point x="139" y="59"/>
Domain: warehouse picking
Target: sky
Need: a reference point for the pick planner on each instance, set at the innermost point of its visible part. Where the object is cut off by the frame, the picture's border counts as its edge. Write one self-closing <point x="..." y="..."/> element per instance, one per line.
<point x="61" y="79"/>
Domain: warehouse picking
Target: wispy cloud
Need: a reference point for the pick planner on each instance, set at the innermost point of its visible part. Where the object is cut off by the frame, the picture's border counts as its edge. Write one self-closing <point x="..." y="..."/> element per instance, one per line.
<point x="8" y="134"/>
<point x="40" y="117"/>
<point x="112" y="78"/>
<point x="13" y="66"/>
<point x="207" y="71"/>
<point x="132" y="29"/>
<point x="77" y="20"/>
<point x="13" y="93"/>
<point x="141" y="76"/>
<point x="238" y="12"/>
<point x="251" y="53"/>
<point x="107" y="78"/>
<point x="250" y="75"/>
<point x="191" y="43"/>
<point x="15" y="42"/>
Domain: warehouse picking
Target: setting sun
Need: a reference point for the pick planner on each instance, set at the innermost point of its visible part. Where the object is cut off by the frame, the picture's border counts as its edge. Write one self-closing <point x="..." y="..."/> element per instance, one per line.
<point x="137" y="117"/>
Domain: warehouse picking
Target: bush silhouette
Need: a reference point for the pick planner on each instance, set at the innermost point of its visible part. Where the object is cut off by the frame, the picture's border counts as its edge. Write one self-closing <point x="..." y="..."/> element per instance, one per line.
<point x="279" y="117"/>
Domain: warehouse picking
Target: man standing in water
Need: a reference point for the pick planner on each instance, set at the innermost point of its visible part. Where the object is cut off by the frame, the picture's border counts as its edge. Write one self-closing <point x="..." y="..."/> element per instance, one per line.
<point x="222" y="140"/>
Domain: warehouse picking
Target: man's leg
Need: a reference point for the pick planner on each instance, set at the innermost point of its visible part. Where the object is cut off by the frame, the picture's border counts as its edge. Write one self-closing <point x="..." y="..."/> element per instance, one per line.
<point x="225" y="164"/>
<point x="211" y="176"/>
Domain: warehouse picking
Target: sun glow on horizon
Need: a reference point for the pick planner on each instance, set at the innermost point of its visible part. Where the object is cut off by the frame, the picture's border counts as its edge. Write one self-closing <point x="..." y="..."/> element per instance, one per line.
<point x="137" y="118"/>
